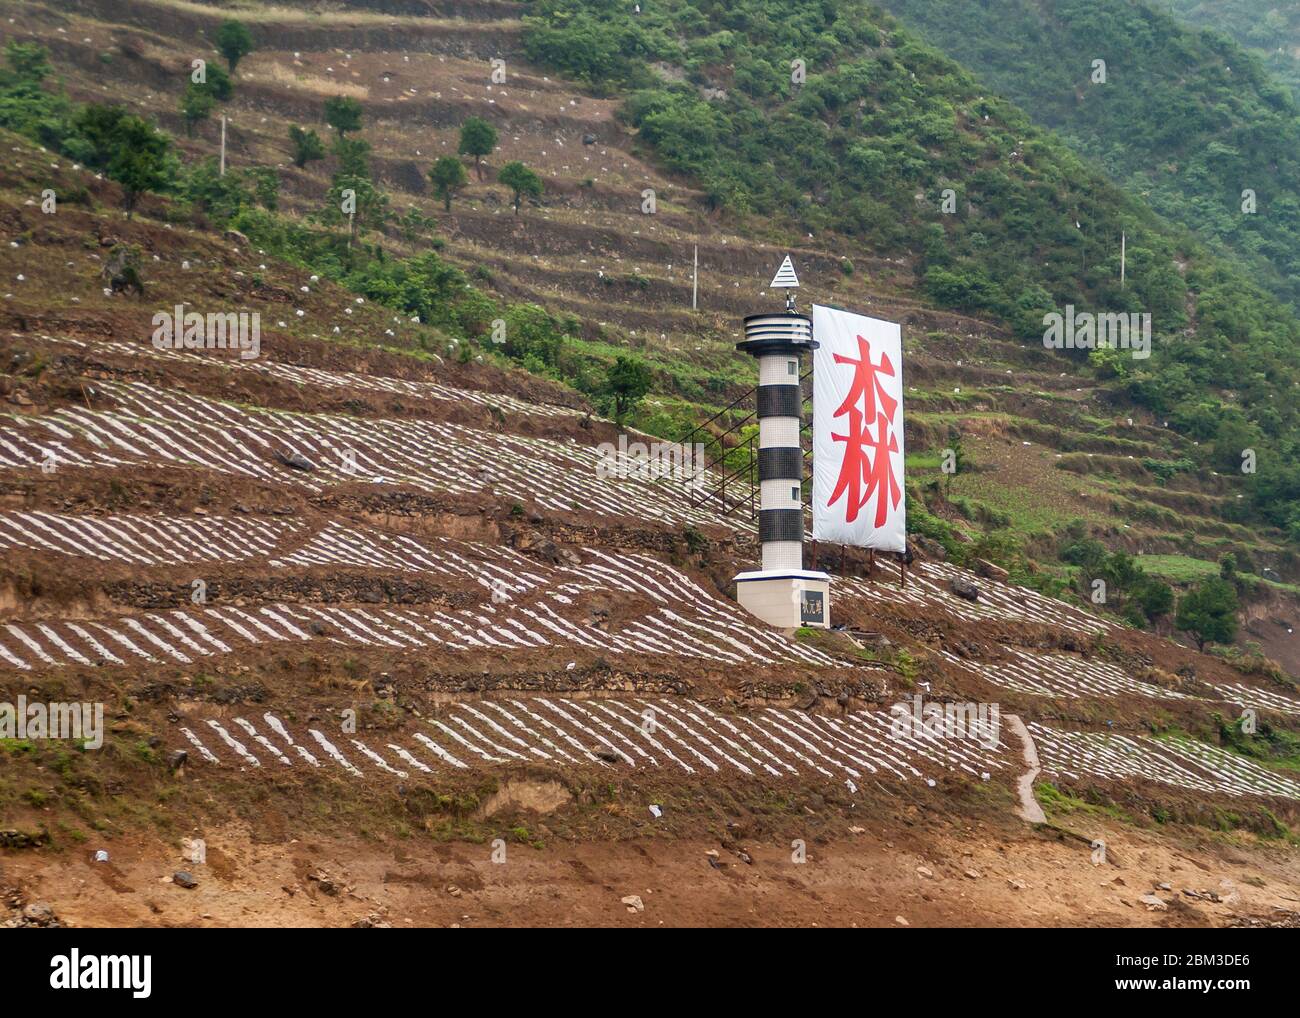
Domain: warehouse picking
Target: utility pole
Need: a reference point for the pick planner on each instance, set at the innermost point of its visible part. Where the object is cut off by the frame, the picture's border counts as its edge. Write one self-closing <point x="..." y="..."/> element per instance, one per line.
<point x="695" y="281"/>
<point x="1123" y="255"/>
<point x="223" y="145"/>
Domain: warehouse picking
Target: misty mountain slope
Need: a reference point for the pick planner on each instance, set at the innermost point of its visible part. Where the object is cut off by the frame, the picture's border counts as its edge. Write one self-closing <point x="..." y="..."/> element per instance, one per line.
<point x="1266" y="27"/>
<point x="1188" y="120"/>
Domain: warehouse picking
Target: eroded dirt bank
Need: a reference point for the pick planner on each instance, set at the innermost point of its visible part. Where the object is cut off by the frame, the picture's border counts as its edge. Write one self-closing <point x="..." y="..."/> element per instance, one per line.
<point x="924" y="872"/>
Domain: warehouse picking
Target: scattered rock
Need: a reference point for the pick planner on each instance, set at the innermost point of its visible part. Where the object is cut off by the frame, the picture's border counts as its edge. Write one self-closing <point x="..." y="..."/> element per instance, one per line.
<point x="989" y="571"/>
<point x="295" y="460"/>
<point x="324" y="882"/>
<point x="1153" y="903"/>
<point x="22" y="839"/>
<point x="25" y="916"/>
<point x="925" y="871"/>
<point x="183" y="879"/>
<point x="901" y="921"/>
<point x="964" y="588"/>
<point x="633" y="903"/>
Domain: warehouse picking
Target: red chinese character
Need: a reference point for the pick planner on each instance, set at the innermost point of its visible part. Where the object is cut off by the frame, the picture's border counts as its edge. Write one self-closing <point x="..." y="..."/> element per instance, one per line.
<point x="862" y="476"/>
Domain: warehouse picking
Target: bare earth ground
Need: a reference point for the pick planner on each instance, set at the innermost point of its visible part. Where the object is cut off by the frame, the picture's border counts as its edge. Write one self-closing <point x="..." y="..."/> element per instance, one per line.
<point x="1018" y="878"/>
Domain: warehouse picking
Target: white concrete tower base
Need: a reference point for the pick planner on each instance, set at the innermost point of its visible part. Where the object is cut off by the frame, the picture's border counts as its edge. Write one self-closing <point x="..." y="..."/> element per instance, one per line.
<point x="787" y="598"/>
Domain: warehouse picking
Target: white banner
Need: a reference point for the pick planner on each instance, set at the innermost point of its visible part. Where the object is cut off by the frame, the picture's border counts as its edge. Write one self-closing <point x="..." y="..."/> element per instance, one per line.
<point x="857" y="494"/>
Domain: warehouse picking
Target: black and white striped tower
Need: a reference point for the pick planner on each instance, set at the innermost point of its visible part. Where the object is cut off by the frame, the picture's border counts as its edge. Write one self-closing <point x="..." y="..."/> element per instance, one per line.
<point x="780" y="591"/>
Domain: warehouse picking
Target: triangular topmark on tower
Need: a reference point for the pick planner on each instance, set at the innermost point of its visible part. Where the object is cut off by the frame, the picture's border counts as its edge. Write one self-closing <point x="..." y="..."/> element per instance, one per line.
<point x="785" y="276"/>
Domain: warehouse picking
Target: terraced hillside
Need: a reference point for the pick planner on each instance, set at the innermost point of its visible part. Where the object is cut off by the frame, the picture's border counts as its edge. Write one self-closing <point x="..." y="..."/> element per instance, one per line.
<point x="589" y="249"/>
<point x="367" y="619"/>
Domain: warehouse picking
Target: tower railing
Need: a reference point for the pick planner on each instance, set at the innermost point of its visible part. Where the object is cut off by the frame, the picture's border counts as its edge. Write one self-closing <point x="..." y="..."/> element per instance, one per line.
<point x="731" y="490"/>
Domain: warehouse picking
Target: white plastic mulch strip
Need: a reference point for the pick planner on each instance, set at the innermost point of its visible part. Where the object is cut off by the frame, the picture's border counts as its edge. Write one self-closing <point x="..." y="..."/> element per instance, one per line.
<point x="1183" y="763"/>
<point x="679" y="736"/>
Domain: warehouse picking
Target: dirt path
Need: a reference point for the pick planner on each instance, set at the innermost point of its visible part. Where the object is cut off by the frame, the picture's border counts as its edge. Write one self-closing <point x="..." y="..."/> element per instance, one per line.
<point x="1029" y="808"/>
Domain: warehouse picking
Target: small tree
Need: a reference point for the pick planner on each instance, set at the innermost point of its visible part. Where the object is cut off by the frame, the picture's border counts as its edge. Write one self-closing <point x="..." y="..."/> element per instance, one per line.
<point x="534" y="336"/>
<point x="141" y="166"/>
<point x="128" y="149"/>
<point x="353" y="155"/>
<point x="217" y="82"/>
<point x="1155" y="597"/>
<point x="217" y="195"/>
<point x="521" y="180"/>
<point x="626" y="383"/>
<point x="1121" y="573"/>
<point x="448" y="176"/>
<point x="307" y="146"/>
<point x="28" y="61"/>
<point x="99" y="125"/>
<point x="343" y="113"/>
<point x="477" y="138"/>
<point x="234" y="41"/>
<point x="264" y="182"/>
<point x="196" y="105"/>
<point x="371" y="205"/>
<point x="415" y="224"/>
<point x="1209" y="612"/>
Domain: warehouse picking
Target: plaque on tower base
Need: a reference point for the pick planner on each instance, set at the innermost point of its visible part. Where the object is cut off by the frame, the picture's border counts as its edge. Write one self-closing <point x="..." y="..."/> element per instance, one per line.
<point x="787" y="598"/>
